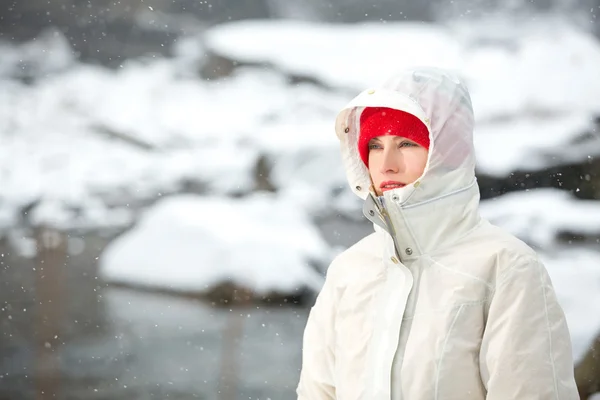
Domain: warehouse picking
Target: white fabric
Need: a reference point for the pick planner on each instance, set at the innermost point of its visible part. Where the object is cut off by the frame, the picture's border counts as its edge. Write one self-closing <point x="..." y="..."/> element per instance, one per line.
<point x="440" y="304"/>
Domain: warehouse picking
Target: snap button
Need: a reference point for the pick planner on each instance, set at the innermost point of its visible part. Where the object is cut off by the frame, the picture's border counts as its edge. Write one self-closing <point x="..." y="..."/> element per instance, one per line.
<point x="371" y="213"/>
<point x="394" y="260"/>
<point x="347" y="130"/>
<point x="358" y="188"/>
<point x="395" y="197"/>
<point x="408" y="251"/>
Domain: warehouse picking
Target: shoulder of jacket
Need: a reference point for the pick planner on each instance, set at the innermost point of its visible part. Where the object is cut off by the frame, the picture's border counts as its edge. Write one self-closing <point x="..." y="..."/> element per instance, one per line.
<point x="509" y="250"/>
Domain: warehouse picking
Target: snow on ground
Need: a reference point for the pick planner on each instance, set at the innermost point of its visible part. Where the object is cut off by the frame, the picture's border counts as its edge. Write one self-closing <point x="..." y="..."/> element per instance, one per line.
<point x="532" y="143"/>
<point x="575" y="274"/>
<point x="539" y="216"/>
<point x="50" y="52"/>
<point x="58" y="133"/>
<point x="84" y="142"/>
<point x="344" y="56"/>
<point x="191" y="243"/>
<point x="543" y="66"/>
<point x="525" y="103"/>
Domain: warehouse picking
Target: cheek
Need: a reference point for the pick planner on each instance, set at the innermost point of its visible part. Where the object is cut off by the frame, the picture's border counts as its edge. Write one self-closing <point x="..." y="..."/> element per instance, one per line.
<point x="375" y="169"/>
<point x="374" y="162"/>
<point x="416" y="162"/>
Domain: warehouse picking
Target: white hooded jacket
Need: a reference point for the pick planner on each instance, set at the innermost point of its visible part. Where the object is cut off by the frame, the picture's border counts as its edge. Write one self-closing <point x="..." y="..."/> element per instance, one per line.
<point x="437" y="303"/>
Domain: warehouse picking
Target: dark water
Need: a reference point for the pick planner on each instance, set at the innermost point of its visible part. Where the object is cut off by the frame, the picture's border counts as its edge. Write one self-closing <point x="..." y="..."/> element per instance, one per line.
<point x="153" y="347"/>
<point x="68" y="335"/>
<point x="65" y="334"/>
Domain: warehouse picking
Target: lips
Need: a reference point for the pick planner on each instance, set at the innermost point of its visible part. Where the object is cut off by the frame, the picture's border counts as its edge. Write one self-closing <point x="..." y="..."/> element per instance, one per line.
<point x="389" y="185"/>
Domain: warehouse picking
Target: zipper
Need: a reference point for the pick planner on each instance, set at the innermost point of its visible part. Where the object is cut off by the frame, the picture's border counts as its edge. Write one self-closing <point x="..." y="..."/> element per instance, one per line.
<point x="388" y="222"/>
<point x="391" y="230"/>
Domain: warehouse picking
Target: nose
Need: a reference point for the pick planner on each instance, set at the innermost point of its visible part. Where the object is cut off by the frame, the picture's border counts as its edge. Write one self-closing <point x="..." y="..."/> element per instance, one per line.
<point x="392" y="161"/>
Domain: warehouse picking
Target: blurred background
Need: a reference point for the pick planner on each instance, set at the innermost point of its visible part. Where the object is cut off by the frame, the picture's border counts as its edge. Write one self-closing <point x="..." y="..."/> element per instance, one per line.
<point x="171" y="191"/>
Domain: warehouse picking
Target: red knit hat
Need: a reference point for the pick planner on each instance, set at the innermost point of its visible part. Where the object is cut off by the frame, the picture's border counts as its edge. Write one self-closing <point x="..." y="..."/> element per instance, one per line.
<point x="381" y="121"/>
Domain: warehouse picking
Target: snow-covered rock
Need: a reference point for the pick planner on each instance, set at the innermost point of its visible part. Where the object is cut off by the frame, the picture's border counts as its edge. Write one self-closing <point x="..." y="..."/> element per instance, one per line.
<point x="48" y="53"/>
<point x="575" y="274"/>
<point x="541" y="216"/>
<point x="89" y="140"/>
<point x="533" y="143"/>
<point x="544" y="66"/>
<point x="192" y="244"/>
<point x="340" y="55"/>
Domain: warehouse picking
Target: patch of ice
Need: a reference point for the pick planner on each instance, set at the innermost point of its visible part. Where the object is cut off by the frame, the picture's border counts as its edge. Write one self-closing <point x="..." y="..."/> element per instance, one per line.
<point x="8" y="218"/>
<point x="24" y="246"/>
<point x="191" y="243"/>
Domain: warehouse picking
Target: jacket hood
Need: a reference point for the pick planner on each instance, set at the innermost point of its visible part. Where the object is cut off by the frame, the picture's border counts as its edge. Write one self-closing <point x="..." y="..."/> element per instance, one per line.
<point x="442" y="102"/>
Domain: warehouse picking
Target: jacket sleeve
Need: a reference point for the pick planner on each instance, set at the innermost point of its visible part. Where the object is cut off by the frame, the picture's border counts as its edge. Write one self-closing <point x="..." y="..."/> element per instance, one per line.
<point x="318" y="357"/>
<point x="526" y="347"/>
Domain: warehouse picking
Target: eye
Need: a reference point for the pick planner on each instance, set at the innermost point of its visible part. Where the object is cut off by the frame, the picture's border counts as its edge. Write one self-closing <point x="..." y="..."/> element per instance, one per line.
<point x="406" y="143"/>
<point x="374" y="146"/>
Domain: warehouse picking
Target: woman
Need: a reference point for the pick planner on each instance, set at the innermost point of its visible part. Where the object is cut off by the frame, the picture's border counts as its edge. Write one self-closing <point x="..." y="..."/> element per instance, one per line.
<point x="437" y="303"/>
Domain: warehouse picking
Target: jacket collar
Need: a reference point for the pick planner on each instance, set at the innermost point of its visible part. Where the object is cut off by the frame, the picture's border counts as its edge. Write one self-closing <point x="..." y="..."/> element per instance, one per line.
<point x="427" y="226"/>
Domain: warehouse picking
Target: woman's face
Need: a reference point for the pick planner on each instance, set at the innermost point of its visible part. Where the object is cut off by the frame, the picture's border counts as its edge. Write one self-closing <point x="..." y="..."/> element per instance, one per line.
<point x="395" y="162"/>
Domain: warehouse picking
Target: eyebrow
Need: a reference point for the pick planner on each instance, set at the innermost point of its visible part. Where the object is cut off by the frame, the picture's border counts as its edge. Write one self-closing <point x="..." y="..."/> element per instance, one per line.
<point x="396" y="138"/>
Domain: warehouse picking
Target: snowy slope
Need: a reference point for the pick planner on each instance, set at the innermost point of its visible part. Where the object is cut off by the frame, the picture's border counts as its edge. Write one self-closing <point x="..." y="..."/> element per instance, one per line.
<point x="86" y="147"/>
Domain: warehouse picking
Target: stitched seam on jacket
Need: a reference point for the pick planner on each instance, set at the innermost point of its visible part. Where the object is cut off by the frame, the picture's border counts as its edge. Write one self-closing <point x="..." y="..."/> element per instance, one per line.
<point x="521" y="260"/>
<point x="549" y="331"/>
<point x="463" y="189"/>
<point x="461" y="305"/>
<point x="439" y="364"/>
<point x="439" y="264"/>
